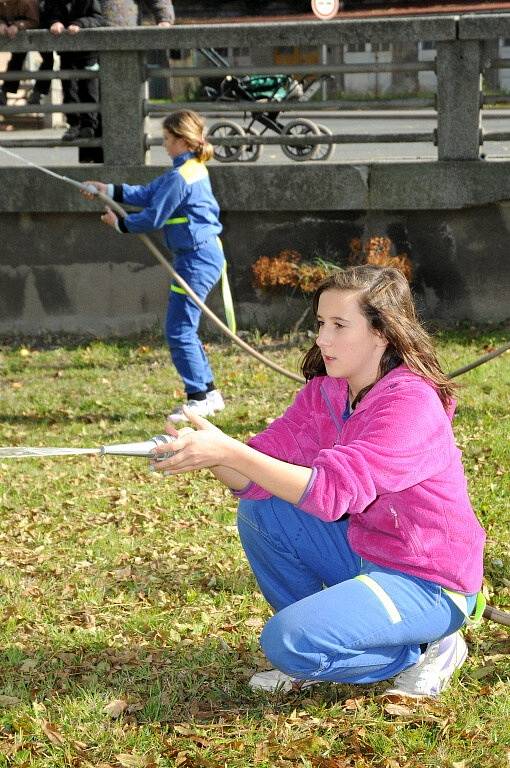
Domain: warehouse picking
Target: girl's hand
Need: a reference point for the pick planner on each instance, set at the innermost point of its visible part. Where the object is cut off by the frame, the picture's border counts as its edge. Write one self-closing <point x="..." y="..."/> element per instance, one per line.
<point x="109" y="218"/>
<point x="171" y="430"/>
<point x="73" y="29"/>
<point x="57" y="28"/>
<point x="11" y="31"/>
<point x="205" y="446"/>
<point x="103" y="188"/>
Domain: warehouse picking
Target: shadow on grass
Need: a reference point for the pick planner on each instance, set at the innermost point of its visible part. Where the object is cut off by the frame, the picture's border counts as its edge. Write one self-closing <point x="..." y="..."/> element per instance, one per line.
<point x="159" y="683"/>
<point x="63" y="417"/>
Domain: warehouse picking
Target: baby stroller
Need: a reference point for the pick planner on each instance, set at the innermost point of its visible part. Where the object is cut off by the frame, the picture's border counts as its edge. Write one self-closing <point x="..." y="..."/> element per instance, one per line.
<point x="270" y="89"/>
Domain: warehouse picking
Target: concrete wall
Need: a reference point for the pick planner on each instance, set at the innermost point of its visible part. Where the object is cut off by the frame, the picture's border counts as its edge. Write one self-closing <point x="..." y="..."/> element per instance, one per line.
<point x="61" y="270"/>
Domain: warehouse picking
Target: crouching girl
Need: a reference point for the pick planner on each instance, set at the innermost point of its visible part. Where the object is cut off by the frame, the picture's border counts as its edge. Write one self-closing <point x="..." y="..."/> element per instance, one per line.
<point x="354" y="511"/>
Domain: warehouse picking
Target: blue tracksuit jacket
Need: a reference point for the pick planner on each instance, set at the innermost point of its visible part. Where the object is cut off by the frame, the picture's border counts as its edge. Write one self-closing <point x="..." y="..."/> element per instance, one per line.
<point x="180" y="202"/>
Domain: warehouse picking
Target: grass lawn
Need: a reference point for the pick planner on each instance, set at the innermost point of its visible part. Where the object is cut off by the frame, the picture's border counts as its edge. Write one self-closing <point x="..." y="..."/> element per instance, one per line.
<point x="129" y="619"/>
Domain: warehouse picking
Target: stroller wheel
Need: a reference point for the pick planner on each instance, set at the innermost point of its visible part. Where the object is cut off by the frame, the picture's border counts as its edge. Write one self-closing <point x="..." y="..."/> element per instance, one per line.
<point x="300" y="127"/>
<point x="324" y="150"/>
<point x="250" y="152"/>
<point x="223" y="130"/>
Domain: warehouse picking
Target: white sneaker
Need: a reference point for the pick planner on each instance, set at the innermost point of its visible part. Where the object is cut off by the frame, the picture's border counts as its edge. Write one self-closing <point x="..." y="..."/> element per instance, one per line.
<point x="433" y="670"/>
<point x="215" y="400"/>
<point x="274" y="681"/>
<point x="200" y="407"/>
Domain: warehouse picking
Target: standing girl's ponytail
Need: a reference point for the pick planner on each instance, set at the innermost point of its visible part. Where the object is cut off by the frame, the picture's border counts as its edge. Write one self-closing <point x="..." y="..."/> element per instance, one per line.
<point x="190" y="126"/>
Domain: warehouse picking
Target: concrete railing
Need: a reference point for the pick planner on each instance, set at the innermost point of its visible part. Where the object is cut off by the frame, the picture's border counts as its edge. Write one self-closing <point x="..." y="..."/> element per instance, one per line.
<point x="124" y="72"/>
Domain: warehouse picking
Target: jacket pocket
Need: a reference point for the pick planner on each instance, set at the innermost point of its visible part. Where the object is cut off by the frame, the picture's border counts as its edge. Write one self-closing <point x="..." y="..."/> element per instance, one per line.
<point x="385" y="527"/>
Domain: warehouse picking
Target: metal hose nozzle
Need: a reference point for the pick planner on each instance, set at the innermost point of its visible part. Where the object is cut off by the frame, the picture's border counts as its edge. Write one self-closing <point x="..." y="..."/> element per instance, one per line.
<point x="143" y="449"/>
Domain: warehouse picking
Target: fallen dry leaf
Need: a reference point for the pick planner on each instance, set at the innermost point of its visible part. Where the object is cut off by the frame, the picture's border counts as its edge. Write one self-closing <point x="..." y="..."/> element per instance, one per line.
<point x="254" y="622"/>
<point x="9" y="701"/>
<point x="84" y="619"/>
<point x="131" y="761"/>
<point x="488" y="669"/>
<point x="398" y="709"/>
<point x="28" y="665"/>
<point x="115" y="708"/>
<point x="122" y="573"/>
<point x="261" y="752"/>
<point x="353" y="704"/>
<point x="52" y="733"/>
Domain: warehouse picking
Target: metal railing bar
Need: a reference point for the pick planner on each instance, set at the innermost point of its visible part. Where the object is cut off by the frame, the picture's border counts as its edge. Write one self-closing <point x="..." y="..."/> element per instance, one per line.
<point x="502" y="99"/>
<point x="57" y="74"/>
<point x="500" y="63"/>
<point x="50" y="143"/>
<point x="34" y="109"/>
<point x="496" y="136"/>
<point x="303" y="141"/>
<point x="302" y="70"/>
<point x="204" y="107"/>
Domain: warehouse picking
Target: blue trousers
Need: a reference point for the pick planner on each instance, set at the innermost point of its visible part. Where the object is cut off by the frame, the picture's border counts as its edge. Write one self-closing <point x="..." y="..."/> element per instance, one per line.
<point x="201" y="269"/>
<point x="330" y="625"/>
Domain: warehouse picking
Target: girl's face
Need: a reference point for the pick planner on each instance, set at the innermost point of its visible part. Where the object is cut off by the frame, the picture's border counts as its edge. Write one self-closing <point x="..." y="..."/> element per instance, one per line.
<point x="174" y="145"/>
<point x="350" y="348"/>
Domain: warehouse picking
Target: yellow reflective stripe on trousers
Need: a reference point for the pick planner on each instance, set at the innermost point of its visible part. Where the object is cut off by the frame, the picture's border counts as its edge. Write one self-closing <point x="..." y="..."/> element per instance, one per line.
<point x="460" y="601"/>
<point x="385" y="599"/>
<point x="226" y="294"/>
<point x="228" y="304"/>
<point x="178" y="220"/>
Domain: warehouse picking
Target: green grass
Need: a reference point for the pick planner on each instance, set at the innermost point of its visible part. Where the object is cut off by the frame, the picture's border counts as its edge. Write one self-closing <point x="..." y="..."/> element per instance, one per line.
<point x="118" y="585"/>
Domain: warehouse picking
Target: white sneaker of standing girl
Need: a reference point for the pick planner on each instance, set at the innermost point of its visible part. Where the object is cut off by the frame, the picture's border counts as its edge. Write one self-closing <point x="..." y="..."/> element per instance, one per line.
<point x="433" y="670"/>
<point x="212" y="404"/>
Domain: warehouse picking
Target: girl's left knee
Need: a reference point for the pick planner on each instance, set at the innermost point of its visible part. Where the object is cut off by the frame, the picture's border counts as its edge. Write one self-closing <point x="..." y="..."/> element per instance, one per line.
<point x="286" y="645"/>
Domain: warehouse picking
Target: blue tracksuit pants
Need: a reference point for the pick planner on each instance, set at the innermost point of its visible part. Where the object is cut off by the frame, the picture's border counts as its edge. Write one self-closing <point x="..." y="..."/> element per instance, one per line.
<point x="201" y="269"/>
<point x="338" y="617"/>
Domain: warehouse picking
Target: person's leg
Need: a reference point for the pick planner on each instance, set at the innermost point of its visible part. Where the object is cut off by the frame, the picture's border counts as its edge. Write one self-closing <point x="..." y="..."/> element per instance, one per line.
<point x="42" y="87"/>
<point x="293" y="555"/>
<point x="186" y="350"/>
<point x="88" y="93"/>
<point x="362" y="630"/>
<point x="70" y="94"/>
<point x="201" y="270"/>
<point x="15" y="64"/>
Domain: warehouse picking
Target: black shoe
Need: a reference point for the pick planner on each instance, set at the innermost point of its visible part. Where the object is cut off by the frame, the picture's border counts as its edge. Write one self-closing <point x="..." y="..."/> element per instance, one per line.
<point x="33" y="98"/>
<point x="72" y="133"/>
<point x="3" y="98"/>
<point x="87" y="132"/>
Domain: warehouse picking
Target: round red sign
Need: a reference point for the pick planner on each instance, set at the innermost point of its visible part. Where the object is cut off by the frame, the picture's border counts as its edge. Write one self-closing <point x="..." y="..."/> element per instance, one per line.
<point x="325" y="9"/>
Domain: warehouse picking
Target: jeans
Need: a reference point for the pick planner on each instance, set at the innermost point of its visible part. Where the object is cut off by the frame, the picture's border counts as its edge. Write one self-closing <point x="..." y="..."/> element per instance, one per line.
<point x="330" y="625"/>
<point x="201" y="269"/>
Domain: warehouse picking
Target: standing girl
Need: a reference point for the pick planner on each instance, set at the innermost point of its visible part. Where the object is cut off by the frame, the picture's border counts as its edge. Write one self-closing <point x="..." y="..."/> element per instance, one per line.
<point x="354" y="511"/>
<point x="181" y="202"/>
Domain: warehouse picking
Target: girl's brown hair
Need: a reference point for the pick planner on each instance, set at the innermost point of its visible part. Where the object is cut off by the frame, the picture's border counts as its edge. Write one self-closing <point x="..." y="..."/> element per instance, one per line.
<point x="190" y="126"/>
<point x="385" y="300"/>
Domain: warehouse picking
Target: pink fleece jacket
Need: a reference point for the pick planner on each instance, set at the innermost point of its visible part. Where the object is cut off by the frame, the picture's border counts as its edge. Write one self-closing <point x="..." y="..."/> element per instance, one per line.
<point x="393" y="466"/>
